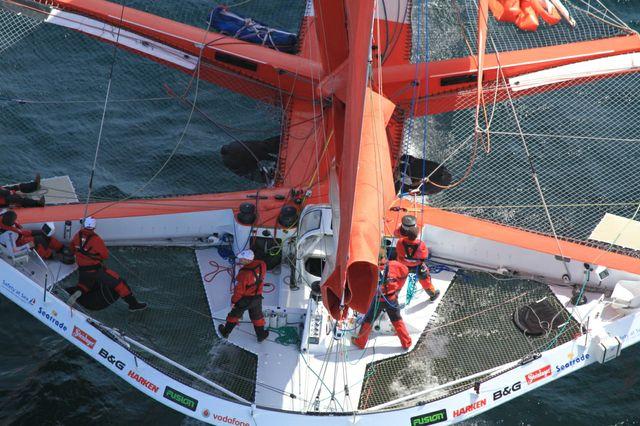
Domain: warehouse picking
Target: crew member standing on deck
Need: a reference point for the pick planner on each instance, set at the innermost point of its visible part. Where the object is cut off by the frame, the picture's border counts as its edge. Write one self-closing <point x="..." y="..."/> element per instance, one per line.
<point x="412" y="252"/>
<point x="247" y="295"/>
<point x="91" y="252"/>
<point x="393" y="275"/>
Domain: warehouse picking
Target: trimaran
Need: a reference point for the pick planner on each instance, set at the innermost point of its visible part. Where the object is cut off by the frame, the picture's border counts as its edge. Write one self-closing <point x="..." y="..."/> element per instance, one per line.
<point x="504" y="154"/>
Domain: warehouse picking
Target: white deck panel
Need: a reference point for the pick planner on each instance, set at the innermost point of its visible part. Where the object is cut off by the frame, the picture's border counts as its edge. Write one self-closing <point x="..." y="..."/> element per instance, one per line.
<point x="284" y="369"/>
<point x="56" y="190"/>
<point x="618" y="230"/>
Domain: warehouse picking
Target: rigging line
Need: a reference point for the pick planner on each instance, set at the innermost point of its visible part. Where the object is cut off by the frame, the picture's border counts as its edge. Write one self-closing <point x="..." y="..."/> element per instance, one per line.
<point x="568" y="136"/>
<point x="62" y="102"/>
<point x="178" y="144"/>
<point x="615" y="240"/>
<point x="104" y="111"/>
<point x="454" y="152"/>
<point x="532" y="168"/>
<point x="620" y="25"/>
<point x="526" y="206"/>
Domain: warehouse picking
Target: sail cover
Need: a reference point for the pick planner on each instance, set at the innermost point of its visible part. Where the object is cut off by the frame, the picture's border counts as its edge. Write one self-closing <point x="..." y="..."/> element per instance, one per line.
<point x="356" y="272"/>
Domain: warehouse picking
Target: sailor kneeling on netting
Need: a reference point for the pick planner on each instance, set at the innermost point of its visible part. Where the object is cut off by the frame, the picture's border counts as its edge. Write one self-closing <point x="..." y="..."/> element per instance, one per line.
<point x="12" y="195"/>
<point x="98" y="285"/>
<point x="247" y="295"/>
<point x="393" y="275"/>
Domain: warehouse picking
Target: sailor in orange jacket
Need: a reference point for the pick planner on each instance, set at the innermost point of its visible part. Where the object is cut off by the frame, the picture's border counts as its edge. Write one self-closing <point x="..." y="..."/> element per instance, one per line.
<point x="393" y="275"/>
<point x="247" y="295"/>
<point x="91" y="252"/>
<point x="46" y="245"/>
<point x="412" y="252"/>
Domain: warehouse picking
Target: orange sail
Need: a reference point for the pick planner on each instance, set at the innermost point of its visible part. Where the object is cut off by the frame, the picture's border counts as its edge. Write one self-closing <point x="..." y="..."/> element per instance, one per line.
<point x="362" y="205"/>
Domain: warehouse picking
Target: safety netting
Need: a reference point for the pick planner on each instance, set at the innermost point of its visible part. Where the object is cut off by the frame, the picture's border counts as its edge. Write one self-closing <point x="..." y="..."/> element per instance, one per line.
<point x="177" y="324"/>
<point x="443" y="29"/>
<point x="580" y="138"/>
<point x="471" y="332"/>
<point x="67" y="99"/>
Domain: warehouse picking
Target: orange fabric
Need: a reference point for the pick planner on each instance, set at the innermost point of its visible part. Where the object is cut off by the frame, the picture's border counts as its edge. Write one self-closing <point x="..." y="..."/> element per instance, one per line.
<point x="403" y="334"/>
<point x="396" y="276"/>
<point x="505" y="10"/>
<point x="546" y="11"/>
<point x="411" y="253"/>
<point x="94" y="248"/>
<point x="366" y="192"/>
<point x="246" y="280"/>
<point x="528" y="19"/>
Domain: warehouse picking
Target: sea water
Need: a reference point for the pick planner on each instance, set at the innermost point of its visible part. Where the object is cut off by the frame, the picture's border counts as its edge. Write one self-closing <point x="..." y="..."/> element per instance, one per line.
<point x="44" y="380"/>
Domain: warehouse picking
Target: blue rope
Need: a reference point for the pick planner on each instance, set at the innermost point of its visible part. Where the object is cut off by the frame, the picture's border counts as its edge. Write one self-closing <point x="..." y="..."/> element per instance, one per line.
<point x="411" y="288"/>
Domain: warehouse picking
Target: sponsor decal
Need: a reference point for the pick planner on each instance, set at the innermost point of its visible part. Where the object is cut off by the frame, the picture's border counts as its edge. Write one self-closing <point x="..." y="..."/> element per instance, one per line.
<point x="180" y="398"/>
<point x="469" y="408"/>
<point x="112" y="359"/>
<point x="539" y="374"/>
<point x="575" y="361"/>
<point x="507" y="391"/>
<point x="144" y="382"/>
<point x="84" y="337"/>
<point x="630" y="335"/>
<point x="430" y="418"/>
<point x="229" y="420"/>
<point x="23" y="298"/>
<point x="52" y="318"/>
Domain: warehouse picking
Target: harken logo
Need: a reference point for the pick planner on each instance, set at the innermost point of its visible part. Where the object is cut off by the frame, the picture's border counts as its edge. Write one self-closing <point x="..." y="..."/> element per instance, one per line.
<point x="507" y="391"/>
<point x="84" y="337"/>
<point x="112" y="359"/>
<point x="469" y="408"/>
<point x="144" y="382"/>
<point x="430" y="418"/>
<point x="539" y="374"/>
<point x="180" y="398"/>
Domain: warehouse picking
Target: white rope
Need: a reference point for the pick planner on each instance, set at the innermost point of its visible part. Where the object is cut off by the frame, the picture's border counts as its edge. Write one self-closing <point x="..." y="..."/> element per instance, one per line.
<point x="551" y="135"/>
<point x="534" y="174"/>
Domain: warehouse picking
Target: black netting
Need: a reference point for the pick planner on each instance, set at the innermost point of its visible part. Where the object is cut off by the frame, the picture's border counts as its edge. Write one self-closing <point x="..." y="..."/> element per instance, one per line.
<point x="583" y="141"/>
<point x="445" y="29"/>
<point x="472" y="331"/>
<point x="177" y="323"/>
<point x="52" y="91"/>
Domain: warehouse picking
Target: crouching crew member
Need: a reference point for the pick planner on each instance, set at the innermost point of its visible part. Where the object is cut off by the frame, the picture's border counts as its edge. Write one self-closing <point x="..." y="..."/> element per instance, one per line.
<point x="247" y="295"/>
<point x="393" y="275"/>
<point x="91" y="252"/>
<point x="9" y="194"/>
<point x="412" y="252"/>
<point x="45" y="244"/>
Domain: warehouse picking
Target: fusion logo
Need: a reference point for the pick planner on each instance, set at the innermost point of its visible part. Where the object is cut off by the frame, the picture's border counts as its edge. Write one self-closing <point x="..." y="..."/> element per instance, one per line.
<point x="429" y="419"/>
<point x="144" y="382"/>
<point x="112" y="359"/>
<point x="507" y="391"/>
<point x="181" y="399"/>
<point x="84" y="337"/>
<point x="23" y="298"/>
<point x="469" y="408"/>
<point x="575" y="361"/>
<point x="51" y="317"/>
<point x="539" y="374"/>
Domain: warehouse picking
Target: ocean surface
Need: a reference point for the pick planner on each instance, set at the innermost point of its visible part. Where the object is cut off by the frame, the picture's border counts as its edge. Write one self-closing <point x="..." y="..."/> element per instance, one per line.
<point x="61" y="78"/>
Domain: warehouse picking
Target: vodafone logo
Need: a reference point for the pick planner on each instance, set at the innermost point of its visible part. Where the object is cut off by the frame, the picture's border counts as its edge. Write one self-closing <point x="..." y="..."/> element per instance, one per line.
<point x="539" y="374"/>
<point x="84" y="337"/>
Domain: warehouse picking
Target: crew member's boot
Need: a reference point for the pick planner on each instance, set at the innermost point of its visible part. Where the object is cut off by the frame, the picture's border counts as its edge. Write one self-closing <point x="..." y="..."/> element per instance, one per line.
<point x="363" y="336"/>
<point x="133" y="303"/>
<point x="433" y="294"/>
<point x="225" y="329"/>
<point x="261" y="333"/>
